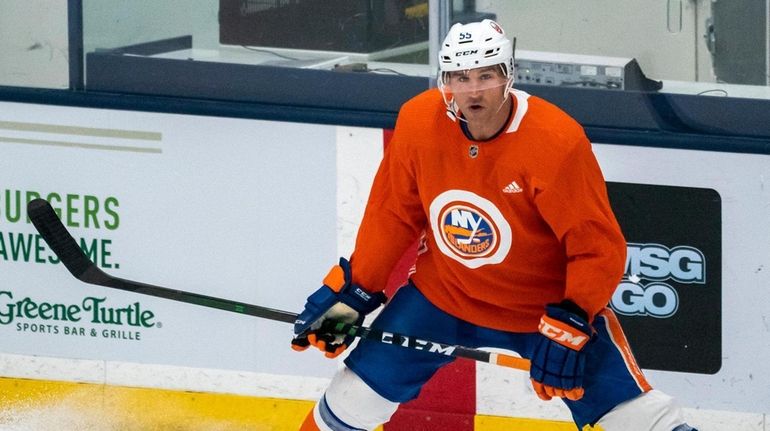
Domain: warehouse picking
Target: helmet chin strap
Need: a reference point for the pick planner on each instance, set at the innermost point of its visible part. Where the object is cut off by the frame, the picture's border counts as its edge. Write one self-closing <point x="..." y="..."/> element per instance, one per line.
<point x="506" y="93"/>
<point x="451" y="106"/>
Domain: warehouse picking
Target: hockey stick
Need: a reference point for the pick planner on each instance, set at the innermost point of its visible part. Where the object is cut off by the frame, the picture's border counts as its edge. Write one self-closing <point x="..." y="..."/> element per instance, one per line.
<point x="62" y="243"/>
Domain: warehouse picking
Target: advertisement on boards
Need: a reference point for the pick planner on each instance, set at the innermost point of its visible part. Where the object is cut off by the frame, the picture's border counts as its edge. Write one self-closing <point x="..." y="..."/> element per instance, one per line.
<point x="670" y="298"/>
<point x="243" y="210"/>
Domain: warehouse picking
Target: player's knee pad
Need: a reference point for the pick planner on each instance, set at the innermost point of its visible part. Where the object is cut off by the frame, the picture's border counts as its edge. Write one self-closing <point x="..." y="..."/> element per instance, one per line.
<point x="650" y="411"/>
<point x="349" y="404"/>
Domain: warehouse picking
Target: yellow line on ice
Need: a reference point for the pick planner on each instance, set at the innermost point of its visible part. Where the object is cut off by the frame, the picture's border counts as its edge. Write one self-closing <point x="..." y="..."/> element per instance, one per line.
<point x="43" y="405"/>
<point x="498" y="423"/>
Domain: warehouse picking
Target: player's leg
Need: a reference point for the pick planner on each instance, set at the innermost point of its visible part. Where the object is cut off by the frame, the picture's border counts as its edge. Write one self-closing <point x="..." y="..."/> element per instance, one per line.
<point x="617" y="395"/>
<point x="652" y="410"/>
<point x="349" y="404"/>
<point x="379" y="377"/>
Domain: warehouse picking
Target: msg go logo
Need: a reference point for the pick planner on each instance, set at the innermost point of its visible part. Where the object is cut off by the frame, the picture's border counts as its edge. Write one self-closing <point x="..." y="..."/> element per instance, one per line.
<point x="656" y="263"/>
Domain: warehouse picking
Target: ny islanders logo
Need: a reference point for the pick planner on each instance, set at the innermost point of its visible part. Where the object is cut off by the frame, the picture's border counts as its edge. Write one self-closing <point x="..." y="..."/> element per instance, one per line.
<point x="469" y="228"/>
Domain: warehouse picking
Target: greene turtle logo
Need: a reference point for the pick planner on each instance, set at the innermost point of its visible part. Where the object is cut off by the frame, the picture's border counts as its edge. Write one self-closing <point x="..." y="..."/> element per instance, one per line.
<point x="469" y="228"/>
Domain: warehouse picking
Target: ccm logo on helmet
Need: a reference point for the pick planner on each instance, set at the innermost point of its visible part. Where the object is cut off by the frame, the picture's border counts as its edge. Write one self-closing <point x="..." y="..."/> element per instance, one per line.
<point x="464" y="53"/>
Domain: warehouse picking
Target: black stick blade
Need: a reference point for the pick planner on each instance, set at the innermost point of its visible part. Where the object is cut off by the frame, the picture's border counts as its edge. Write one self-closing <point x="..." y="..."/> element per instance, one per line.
<point x="54" y="233"/>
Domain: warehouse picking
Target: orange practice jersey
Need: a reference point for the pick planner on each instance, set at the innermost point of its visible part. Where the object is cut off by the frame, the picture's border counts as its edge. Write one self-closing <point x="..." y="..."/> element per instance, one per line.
<point x="510" y="224"/>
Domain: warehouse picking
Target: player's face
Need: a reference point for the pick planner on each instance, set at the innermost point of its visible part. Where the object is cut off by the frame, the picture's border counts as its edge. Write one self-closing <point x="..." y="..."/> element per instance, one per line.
<point x="478" y="93"/>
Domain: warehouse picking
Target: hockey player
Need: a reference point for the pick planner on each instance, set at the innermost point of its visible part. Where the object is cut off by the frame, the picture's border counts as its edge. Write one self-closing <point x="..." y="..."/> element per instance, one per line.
<point x="519" y="250"/>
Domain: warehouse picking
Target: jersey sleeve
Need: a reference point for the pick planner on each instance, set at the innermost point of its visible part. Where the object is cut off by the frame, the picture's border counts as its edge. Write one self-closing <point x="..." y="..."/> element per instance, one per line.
<point x="393" y="219"/>
<point x="574" y="203"/>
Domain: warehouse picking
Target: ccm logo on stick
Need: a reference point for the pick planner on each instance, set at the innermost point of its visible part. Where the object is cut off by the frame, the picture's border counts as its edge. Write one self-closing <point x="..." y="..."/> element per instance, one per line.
<point x="430" y="346"/>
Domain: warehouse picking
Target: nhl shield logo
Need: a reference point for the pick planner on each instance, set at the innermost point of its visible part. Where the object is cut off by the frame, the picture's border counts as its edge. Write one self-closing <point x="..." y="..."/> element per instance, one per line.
<point x="473" y="151"/>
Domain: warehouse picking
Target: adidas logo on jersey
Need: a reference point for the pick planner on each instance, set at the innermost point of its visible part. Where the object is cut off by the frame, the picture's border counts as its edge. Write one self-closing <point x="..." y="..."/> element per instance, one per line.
<point x="512" y="188"/>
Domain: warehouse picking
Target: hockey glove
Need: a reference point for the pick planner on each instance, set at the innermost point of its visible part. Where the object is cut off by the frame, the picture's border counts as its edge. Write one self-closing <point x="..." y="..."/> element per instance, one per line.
<point x="337" y="300"/>
<point x="558" y="361"/>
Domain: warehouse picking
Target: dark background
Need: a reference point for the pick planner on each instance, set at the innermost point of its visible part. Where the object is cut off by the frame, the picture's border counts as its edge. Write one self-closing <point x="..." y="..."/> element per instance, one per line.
<point x="691" y="339"/>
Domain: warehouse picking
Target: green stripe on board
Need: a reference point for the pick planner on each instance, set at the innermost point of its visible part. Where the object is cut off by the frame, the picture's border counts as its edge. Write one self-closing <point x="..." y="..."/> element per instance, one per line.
<point x="81" y="131"/>
<point x="80" y="145"/>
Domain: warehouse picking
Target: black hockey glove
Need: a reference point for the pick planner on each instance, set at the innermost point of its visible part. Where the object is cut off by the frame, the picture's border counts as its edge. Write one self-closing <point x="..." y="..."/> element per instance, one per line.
<point x="558" y="361"/>
<point x="338" y="300"/>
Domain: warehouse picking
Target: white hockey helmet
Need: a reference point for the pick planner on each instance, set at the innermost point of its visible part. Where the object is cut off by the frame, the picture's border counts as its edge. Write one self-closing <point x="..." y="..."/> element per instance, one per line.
<point x="474" y="45"/>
